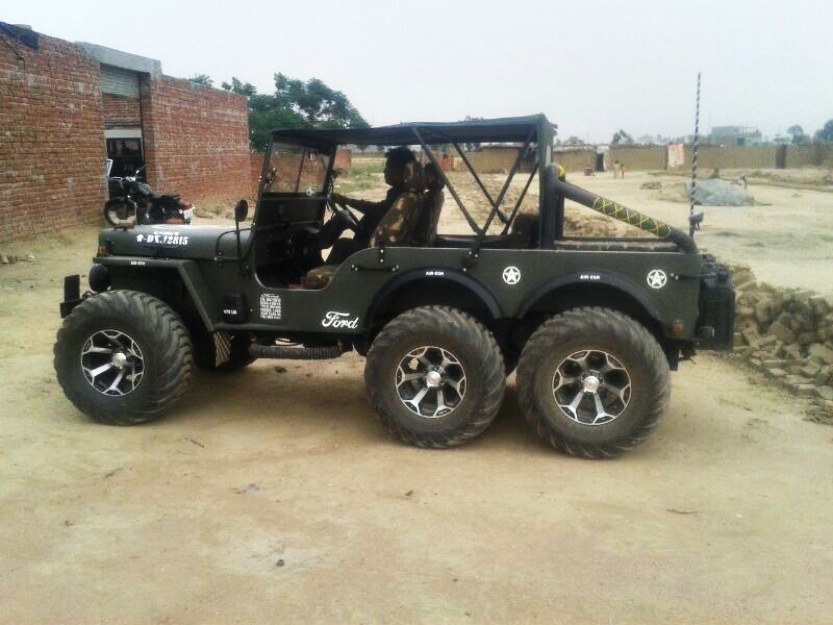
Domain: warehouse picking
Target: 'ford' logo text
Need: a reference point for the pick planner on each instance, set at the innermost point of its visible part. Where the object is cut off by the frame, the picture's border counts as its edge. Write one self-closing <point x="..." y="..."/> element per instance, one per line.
<point x="335" y="319"/>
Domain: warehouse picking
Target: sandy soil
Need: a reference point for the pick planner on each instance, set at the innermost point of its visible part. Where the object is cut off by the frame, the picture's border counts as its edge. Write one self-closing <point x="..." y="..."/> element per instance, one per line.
<point x="273" y="496"/>
<point x="787" y="237"/>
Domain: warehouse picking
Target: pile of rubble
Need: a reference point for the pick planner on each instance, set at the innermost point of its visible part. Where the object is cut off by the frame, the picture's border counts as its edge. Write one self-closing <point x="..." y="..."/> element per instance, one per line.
<point x="708" y="192"/>
<point x="716" y="192"/>
<point x="788" y="336"/>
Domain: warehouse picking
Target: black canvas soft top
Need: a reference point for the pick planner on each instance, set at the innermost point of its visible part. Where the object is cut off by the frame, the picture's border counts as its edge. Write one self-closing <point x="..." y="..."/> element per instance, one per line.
<point x="501" y="130"/>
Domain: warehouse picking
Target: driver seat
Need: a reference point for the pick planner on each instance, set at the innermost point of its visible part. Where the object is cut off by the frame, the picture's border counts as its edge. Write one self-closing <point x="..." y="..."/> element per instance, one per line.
<point x="397" y="227"/>
<point x="425" y="233"/>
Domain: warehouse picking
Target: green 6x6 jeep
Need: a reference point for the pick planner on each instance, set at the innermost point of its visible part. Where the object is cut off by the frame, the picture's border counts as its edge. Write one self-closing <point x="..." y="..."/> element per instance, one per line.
<point x="592" y="325"/>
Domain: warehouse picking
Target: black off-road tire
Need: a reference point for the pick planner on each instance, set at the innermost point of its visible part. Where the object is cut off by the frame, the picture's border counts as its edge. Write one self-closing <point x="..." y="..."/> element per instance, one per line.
<point x="233" y="351"/>
<point x="452" y="360"/>
<point x="127" y="333"/>
<point x="604" y="367"/>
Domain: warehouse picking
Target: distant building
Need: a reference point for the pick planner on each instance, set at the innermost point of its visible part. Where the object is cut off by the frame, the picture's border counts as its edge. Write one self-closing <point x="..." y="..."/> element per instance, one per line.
<point x="66" y="108"/>
<point x="735" y="135"/>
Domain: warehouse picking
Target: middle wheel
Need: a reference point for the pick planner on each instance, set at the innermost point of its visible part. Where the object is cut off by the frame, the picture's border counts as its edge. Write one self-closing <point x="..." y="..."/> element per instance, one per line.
<point x="435" y="377"/>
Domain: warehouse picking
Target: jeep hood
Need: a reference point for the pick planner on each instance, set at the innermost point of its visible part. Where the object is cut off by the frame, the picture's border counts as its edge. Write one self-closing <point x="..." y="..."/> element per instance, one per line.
<point x="166" y="241"/>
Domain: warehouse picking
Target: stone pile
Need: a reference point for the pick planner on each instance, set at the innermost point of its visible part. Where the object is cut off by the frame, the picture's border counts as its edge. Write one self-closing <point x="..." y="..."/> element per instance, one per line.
<point x="716" y="192"/>
<point x="788" y="336"/>
<point x="708" y="192"/>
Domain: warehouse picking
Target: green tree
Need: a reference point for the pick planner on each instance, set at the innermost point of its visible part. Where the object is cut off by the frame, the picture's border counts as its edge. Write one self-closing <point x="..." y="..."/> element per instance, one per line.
<point x="204" y="80"/>
<point x="797" y="134"/>
<point x="295" y="104"/>
<point x="621" y="138"/>
<point x="825" y="135"/>
<point x="317" y="104"/>
<point x="239" y="87"/>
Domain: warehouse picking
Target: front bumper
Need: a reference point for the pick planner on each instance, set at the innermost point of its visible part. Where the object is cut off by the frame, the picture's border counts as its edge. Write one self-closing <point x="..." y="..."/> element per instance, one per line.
<point x="72" y="294"/>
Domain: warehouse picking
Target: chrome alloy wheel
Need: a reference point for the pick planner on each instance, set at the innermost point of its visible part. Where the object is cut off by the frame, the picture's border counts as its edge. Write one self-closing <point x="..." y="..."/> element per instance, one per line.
<point x="112" y="362"/>
<point x="591" y="387"/>
<point x="431" y="382"/>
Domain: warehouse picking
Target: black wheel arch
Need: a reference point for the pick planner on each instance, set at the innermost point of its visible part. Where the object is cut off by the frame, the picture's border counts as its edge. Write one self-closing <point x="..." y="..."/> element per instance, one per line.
<point x="604" y="285"/>
<point x="170" y="281"/>
<point x="434" y="287"/>
<point x="611" y="291"/>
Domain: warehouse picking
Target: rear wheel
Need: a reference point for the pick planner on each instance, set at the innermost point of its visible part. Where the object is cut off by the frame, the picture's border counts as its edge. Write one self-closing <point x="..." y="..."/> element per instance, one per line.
<point x="435" y="377"/>
<point x="593" y="382"/>
<point x="123" y="357"/>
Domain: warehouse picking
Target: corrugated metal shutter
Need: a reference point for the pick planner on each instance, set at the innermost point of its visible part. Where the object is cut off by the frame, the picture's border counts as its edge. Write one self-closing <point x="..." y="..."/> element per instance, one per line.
<point x="119" y="82"/>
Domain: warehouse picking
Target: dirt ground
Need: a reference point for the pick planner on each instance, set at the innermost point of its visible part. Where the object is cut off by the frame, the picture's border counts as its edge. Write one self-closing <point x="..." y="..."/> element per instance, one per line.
<point x="272" y="495"/>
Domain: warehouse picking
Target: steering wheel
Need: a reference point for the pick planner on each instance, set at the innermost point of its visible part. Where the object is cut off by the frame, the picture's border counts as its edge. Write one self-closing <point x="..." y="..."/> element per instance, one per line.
<point x="345" y="214"/>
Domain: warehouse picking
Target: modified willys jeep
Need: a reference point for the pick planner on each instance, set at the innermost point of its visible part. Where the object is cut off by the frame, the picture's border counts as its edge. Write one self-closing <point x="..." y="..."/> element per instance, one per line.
<point x="592" y="325"/>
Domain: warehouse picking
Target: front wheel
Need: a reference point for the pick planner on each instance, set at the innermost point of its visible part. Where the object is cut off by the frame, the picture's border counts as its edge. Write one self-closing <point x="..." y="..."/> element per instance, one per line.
<point x="123" y="357"/>
<point x="119" y="211"/>
<point x="593" y="382"/>
<point x="435" y="377"/>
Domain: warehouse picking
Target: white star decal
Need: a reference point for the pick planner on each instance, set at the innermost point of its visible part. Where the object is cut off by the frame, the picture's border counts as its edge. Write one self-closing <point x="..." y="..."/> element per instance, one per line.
<point x="657" y="278"/>
<point x="511" y="275"/>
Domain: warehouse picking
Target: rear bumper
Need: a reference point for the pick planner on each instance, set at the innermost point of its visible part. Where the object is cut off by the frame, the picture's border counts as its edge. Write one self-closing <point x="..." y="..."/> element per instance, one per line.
<point x="716" y="318"/>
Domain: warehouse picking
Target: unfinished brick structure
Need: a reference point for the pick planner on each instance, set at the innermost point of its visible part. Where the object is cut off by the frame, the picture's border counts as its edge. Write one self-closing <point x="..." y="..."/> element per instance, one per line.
<point x="57" y="113"/>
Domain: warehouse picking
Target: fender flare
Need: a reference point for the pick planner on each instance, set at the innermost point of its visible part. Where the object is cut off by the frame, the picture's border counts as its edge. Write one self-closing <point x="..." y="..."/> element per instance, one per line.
<point x="192" y="280"/>
<point x="446" y="274"/>
<point x="605" y="278"/>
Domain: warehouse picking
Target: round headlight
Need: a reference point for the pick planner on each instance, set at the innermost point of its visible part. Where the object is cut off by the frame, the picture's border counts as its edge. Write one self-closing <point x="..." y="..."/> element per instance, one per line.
<point x="99" y="278"/>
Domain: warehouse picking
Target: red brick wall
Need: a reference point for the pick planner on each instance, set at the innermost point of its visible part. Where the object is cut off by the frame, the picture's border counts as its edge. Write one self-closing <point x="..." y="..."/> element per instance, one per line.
<point x="52" y="148"/>
<point x="196" y="140"/>
<point x="255" y="171"/>
<point x="51" y="138"/>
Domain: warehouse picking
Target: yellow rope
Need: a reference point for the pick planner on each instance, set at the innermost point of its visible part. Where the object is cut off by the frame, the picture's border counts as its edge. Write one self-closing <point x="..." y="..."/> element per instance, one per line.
<point x="634" y="218"/>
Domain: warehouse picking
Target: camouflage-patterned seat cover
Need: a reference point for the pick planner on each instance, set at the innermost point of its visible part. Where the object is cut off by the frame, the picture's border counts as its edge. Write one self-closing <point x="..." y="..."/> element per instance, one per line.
<point x="425" y="232"/>
<point x="396" y="227"/>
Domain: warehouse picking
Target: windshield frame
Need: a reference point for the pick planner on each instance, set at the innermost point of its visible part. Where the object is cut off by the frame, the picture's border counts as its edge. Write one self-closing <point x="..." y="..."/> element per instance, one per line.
<point x="306" y="152"/>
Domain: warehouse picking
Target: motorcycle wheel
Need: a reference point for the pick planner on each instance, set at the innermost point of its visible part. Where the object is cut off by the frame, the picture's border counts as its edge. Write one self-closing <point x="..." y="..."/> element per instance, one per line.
<point x="119" y="212"/>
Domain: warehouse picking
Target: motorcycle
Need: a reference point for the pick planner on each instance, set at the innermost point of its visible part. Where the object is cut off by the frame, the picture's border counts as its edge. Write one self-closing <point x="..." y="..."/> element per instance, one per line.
<point x="133" y="201"/>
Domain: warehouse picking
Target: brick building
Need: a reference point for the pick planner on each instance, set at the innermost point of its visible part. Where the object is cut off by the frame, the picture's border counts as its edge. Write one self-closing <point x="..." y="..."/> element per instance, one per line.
<point x="66" y="107"/>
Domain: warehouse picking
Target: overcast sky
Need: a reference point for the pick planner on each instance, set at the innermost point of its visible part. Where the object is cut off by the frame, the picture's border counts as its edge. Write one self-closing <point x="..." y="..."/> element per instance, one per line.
<point x="591" y="66"/>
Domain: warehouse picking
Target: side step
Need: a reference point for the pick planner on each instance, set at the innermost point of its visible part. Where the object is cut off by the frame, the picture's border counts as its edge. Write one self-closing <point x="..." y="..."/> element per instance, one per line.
<point x="281" y="352"/>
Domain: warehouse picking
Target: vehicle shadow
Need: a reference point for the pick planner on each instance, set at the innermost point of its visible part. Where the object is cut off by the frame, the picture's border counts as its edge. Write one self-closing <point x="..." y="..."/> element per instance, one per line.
<point x="287" y="397"/>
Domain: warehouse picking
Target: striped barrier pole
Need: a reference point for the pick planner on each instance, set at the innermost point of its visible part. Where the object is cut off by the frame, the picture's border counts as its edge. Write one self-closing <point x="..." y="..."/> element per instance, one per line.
<point x="694" y="224"/>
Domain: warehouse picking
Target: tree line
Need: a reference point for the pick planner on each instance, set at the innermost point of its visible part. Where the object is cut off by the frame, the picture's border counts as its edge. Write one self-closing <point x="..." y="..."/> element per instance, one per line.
<point x="294" y="104"/>
<point x="823" y="135"/>
<point x="313" y="104"/>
